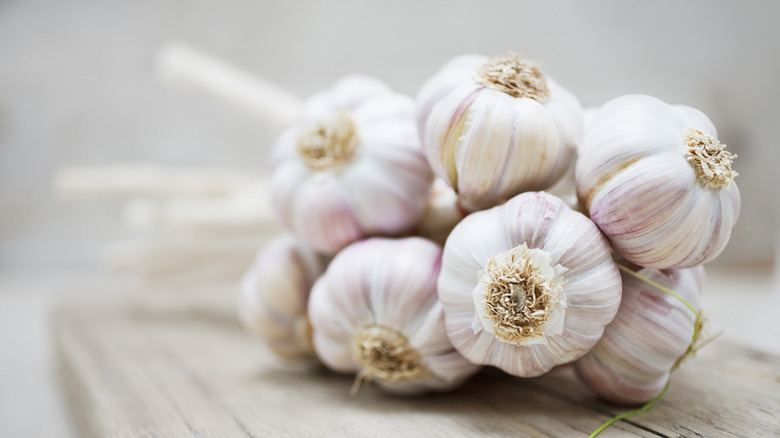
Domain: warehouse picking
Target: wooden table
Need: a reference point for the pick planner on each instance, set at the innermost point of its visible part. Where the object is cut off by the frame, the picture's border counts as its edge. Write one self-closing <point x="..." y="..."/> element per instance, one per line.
<point x="134" y="374"/>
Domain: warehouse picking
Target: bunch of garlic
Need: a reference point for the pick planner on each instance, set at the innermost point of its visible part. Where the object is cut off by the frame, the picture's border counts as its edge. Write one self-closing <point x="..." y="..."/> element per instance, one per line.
<point x="657" y="182"/>
<point x="527" y="285"/>
<point x="375" y="313"/>
<point x="275" y="293"/>
<point x="352" y="167"/>
<point x="495" y="127"/>
<point x="651" y="333"/>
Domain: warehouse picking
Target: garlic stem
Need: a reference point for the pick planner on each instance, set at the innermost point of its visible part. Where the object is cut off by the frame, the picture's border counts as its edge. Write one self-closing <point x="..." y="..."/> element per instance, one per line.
<point x="184" y="65"/>
<point x="626" y="415"/>
<point x="665" y="289"/>
<point x="647" y="406"/>
<point x="709" y="159"/>
<point x="128" y="181"/>
<point x="516" y="76"/>
<point x="693" y="347"/>
<point x="329" y="143"/>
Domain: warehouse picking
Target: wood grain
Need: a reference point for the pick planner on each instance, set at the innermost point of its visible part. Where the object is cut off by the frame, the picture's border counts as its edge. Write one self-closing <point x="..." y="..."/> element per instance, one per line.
<point x="131" y="374"/>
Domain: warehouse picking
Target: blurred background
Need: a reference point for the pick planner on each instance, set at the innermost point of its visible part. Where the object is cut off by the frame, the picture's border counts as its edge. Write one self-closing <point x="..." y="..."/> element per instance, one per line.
<point x="79" y="85"/>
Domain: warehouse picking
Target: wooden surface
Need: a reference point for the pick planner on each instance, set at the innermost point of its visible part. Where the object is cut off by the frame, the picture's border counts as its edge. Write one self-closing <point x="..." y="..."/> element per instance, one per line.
<point x="132" y="374"/>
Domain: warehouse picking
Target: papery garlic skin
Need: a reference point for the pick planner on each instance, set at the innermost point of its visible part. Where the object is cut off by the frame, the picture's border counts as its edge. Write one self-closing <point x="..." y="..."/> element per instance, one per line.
<point x="352" y="167"/>
<point x="489" y="143"/>
<point x="642" y="187"/>
<point x="549" y="250"/>
<point x="375" y="312"/>
<point x="442" y="213"/>
<point x="651" y="331"/>
<point x="274" y="295"/>
<point x="588" y="114"/>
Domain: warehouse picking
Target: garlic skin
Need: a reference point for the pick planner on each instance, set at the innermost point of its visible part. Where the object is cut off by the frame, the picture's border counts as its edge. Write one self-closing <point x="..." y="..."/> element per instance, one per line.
<point x="442" y="213"/>
<point x="527" y="285"/>
<point x="496" y="127"/>
<point x="275" y="293"/>
<point x="651" y="331"/>
<point x="375" y="313"/>
<point x="351" y="168"/>
<point x="588" y="114"/>
<point x="657" y="183"/>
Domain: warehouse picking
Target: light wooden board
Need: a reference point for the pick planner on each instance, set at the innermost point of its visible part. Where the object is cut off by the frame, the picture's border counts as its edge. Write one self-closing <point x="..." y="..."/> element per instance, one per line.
<point x="132" y="374"/>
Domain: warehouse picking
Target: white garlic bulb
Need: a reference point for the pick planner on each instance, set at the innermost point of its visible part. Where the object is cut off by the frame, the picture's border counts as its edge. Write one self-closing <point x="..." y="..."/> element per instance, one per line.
<point x="274" y="295"/>
<point x="493" y="128"/>
<point x="651" y="331"/>
<point x="656" y="181"/>
<point x="588" y="114"/>
<point x="352" y="168"/>
<point x="375" y="313"/>
<point x="527" y="285"/>
<point x="442" y="213"/>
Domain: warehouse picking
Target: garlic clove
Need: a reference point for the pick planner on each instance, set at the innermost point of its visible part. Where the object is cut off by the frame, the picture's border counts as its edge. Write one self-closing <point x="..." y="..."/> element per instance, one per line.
<point x="454" y="73"/>
<point x="391" y="107"/>
<point x="375" y="313"/>
<point x="492" y="156"/>
<point x="274" y="295"/>
<point x="286" y="180"/>
<point x="349" y="307"/>
<point x="650" y="333"/>
<point x="496" y="262"/>
<point x="403" y="298"/>
<point x="429" y="332"/>
<point x="339" y="355"/>
<point x="443" y="128"/>
<point x="396" y="152"/>
<point x="638" y="179"/>
<point x="323" y="215"/>
<point x="347" y="93"/>
<point x="564" y="106"/>
<point x="693" y="117"/>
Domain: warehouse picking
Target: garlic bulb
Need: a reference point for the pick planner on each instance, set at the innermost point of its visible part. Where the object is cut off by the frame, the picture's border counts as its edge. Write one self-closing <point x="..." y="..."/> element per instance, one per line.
<point x="651" y="331"/>
<point x="657" y="182"/>
<point x="375" y="313"/>
<point x="274" y="295"/>
<point x="588" y="114"/>
<point x="442" y="213"/>
<point x="352" y="168"/>
<point x="493" y="128"/>
<point x="527" y="285"/>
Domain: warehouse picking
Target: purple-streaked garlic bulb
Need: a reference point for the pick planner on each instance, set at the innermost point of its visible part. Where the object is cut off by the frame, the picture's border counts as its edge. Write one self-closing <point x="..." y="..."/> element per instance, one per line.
<point x="657" y="182"/>
<point x="496" y="127"/>
<point x="275" y="293"/>
<point x="352" y="167"/>
<point x="527" y="285"/>
<point x="650" y="333"/>
<point x="375" y="313"/>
